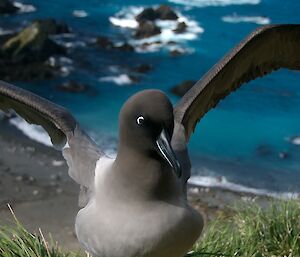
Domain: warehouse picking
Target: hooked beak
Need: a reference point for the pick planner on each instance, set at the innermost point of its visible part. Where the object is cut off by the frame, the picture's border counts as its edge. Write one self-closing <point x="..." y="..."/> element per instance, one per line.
<point x="166" y="151"/>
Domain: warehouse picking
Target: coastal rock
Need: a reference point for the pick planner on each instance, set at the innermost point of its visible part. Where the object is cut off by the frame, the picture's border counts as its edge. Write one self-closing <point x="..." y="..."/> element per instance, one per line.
<point x="147" y="29"/>
<point x="126" y="47"/>
<point x="30" y="72"/>
<point x="183" y="87"/>
<point x="30" y="45"/>
<point x="134" y="79"/>
<point x="106" y="43"/>
<point x="53" y="27"/>
<point x="142" y="68"/>
<point x="148" y="14"/>
<point x="73" y="87"/>
<point x="23" y="56"/>
<point x="7" y="7"/>
<point x="264" y="150"/>
<point x="165" y="12"/>
<point x="181" y="28"/>
<point x="176" y="52"/>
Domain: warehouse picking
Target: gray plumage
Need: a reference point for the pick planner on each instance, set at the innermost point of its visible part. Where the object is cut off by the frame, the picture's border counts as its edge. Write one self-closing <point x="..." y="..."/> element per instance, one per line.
<point x="136" y="205"/>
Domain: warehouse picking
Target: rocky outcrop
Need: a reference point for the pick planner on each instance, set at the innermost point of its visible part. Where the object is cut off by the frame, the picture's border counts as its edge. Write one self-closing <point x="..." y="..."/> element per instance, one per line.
<point x="146" y="29"/>
<point x="23" y="56"/>
<point x="7" y="7"/>
<point x="106" y="43"/>
<point x="142" y="68"/>
<point x="73" y="87"/>
<point x="163" y="12"/>
<point x="183" y="87"/>
<point x="148" y="14"/>
<point x="53" y="27"/>
<point x="30" y="45"/>
<point x="181" y="28"/>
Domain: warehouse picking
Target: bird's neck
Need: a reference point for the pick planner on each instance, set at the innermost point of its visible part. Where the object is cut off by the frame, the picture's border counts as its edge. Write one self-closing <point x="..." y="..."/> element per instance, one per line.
<point x="144" y="175"/>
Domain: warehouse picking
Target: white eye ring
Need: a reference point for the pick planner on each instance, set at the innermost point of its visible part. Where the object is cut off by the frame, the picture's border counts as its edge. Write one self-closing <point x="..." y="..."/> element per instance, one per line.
<point x="140" y="120"/>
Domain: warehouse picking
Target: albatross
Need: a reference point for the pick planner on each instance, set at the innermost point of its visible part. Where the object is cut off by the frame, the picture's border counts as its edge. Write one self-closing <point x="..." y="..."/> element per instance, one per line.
<point x="136" y="204"/>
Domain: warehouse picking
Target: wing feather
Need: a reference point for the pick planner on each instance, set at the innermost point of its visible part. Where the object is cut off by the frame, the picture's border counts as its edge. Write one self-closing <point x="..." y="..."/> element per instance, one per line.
<point x="267" y="49"/>
<point x="81" y="154"/>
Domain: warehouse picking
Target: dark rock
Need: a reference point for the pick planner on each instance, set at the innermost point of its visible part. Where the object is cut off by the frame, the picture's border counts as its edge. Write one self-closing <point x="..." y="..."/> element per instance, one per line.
<point x="181" y="27"/>
<point x="53" y="27"/>
<point x="23" y="56"/>
<point x="148" y="14"/>
<point x="142" y="68"/>
<point x="30" y="72"/>
<point x="126" y="47"/>
<point x="134" y="79"/>
<point x="183" y="87"/>
<point x="283" y="155"/>
<point x="73" y="87"/>
<point x="30" y="45"/>
<point x="104" y="42"/>
<point x="176" y="52"/>
<point x="165" y="12"/>
<point x="146" y="29"/>
<point x="7" y="7"/>
<point x="264" y="150"/>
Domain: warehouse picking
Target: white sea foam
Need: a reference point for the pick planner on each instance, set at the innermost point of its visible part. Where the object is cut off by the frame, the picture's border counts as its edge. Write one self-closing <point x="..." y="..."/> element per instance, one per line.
<point x="122" y="79"/>
<point x="260" y="20"/>
<point x="295" y="140"/>
<point x="80" y="13"/>
<point x="206" y="3"/>
<point x="222" y="182"/>
<point x="24" y="8"/>
<point x="5" y="32"/>
<point x="34" y="132"/>
<point x="124" y="22"/>
<point x="126" y="19"/>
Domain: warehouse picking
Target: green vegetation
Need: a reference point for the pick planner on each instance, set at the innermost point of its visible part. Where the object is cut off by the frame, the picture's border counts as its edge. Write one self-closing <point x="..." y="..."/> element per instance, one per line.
<point x="254" y="232"/>
<point x="251" y="232"/>
<point x="18" y="242"/>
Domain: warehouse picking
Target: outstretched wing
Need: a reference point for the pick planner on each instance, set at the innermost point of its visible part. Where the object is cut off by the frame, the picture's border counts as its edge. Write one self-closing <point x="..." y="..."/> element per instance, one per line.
<point x="265" y="50"/>
<point x="81" y="154"/>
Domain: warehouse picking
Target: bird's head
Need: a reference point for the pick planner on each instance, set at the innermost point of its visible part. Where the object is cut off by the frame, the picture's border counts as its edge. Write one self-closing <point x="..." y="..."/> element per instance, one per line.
<point x="146" y="125"/>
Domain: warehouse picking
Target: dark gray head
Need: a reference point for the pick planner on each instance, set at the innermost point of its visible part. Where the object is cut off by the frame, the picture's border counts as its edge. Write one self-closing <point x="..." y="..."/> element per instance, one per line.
<point x="146" y="125"/>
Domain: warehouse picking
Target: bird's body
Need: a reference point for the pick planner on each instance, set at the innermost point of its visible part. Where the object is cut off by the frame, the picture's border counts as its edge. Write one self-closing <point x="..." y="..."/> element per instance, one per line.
<point x="139" y="208"/>
<point x="117" y="224"/>
<point x="136" y="205"/>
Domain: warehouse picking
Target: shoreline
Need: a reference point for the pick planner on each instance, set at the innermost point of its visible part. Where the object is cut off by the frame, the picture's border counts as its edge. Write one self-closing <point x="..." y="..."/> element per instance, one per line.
<point x="37" y="185"/>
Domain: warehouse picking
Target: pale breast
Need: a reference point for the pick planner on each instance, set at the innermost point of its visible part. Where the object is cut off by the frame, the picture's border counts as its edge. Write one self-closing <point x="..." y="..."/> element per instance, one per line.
<point x="153" y="230"/>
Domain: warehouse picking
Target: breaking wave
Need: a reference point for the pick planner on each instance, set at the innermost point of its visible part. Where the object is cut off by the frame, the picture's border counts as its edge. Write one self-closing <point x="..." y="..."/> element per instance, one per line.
<point x="34" y="132"/>
<point x="223" y="183"/>
<point x="122" y="79"/>
<point x="207" y="3"/>
<point x="260" y="20"/>
<point x="126" y="19"/>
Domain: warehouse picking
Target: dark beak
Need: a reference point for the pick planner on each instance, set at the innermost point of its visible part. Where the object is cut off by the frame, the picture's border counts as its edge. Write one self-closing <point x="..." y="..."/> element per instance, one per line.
<point x="166" y="151"/>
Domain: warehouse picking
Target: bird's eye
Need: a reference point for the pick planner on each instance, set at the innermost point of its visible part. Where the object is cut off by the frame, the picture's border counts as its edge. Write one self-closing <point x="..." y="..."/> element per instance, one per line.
<point x="140" y="120"/>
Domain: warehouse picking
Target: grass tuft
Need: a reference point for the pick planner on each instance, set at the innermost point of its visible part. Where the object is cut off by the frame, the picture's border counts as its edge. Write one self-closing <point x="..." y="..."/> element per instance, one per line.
<point x="254" y="232"/>
<point x="18" y="242"/>
<point x="251" y="232"/>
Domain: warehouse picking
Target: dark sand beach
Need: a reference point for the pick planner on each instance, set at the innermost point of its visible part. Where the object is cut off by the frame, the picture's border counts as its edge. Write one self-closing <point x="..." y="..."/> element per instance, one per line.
<point x="34" y="180"/>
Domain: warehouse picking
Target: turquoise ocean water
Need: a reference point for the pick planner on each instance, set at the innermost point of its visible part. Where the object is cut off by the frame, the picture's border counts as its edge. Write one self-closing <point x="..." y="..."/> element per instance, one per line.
<point x="238" y="144"/>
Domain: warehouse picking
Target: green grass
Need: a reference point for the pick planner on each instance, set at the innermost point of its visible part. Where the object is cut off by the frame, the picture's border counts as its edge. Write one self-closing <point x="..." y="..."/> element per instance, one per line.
<point x="18" y="242"/>
<point x="254" y="232"/>
<point x="250" y="232"/>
